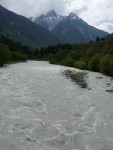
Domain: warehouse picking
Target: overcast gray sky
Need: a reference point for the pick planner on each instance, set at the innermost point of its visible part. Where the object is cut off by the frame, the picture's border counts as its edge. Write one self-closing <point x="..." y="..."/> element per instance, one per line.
<point x="98" y="13"/>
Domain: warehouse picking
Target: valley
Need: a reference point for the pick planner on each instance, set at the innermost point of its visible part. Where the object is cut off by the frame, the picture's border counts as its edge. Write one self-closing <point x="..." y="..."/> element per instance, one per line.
<point x="56" y="78"/>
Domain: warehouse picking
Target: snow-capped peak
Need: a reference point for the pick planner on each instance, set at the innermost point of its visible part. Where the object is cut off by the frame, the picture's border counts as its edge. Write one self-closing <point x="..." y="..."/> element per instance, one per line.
<point x="32" y="19"/>
<point x="51" y="19"/>
<point x="73" y="16"/>
<point x="48" y="20"/>
<point x="51" y="13"/>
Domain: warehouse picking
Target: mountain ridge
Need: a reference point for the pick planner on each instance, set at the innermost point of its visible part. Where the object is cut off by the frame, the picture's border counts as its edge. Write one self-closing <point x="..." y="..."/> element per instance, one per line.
<point x="23" y="30"/>
<point x="70" y="28"/>
<point x="77" y="31"/>
<point x="48" y="20"/>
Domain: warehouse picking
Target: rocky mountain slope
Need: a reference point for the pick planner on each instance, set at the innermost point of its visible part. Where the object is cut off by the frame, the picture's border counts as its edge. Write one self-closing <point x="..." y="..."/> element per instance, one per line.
<point x="73" y="29"/>
<point x="23" y="30"/>
<point x="48" y="20"/>
<point x="70" y="29"/>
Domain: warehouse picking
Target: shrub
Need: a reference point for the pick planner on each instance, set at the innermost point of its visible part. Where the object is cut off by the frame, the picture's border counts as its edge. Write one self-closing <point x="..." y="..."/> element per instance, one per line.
<point x="59" y="55"/>
<point x="111" y="66"/>
<point x="80" y="64"/>
<point x="50" y="56"/>
<point x="104" y="65"/>
<point x="75" y="55"/>
<point x="4" y="54"/>
<point x="70" y="62"/>
<point x="15" y="56"/>
<point x="94" y="63"/>
<point x="53" y="61"/>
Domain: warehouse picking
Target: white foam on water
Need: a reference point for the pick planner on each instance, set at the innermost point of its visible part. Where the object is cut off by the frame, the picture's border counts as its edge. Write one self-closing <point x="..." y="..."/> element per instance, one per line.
<point x="42" y="110"/>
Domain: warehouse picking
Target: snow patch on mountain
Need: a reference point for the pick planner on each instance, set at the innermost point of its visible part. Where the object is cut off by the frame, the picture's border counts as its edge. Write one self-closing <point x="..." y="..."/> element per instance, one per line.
<point x="48" y="20"/>
<point x="73" y="16"/>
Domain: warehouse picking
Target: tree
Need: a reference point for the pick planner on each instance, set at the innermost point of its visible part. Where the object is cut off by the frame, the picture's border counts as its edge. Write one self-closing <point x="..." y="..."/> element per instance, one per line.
<point x="69" y="62"/>
<point x="16" y="56"/>
<point x="105" y="64"/>
<point x="98" y="38"/>
<point x="75" y="55"/>
<point x="59" y="55"/>
<point x="94" y="63"/>
<point x="4" y="54"/>
<point x="81" y="64"/>
<point x="111" y="66"/>
<point x="50" y="57"/>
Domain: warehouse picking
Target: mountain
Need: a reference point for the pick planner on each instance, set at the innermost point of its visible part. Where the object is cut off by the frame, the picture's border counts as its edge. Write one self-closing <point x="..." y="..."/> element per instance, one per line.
<point x="73" y="29"/>
<point x="70" y="29"/>
<point x="23" y="30"/>
<point x="49" y="20"/>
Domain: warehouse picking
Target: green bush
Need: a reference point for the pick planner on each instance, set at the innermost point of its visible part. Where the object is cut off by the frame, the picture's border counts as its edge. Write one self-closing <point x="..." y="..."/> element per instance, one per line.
<point x="74" y="54"/>
<point x="59" y="55"/>
<point x="15" y="56"/>
<point x="69" y="62"/>
<point x="4" y="54"/>
<point x="111" y="66"/>
<point x="105" y="64"/>
<point x="80" y="64"/>
<point x="62" y="62"/>
<point x="53" y="61"/>
<point x="50" y="56"/>
<point x="94" y="63"/>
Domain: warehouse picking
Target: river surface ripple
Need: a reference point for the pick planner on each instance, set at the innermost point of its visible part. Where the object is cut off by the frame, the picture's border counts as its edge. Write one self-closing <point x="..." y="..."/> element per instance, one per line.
<point x="42" y="110"/>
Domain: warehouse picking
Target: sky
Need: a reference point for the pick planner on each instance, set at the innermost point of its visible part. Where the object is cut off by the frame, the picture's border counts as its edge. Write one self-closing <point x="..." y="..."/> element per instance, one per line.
<point x="98" y="13"/>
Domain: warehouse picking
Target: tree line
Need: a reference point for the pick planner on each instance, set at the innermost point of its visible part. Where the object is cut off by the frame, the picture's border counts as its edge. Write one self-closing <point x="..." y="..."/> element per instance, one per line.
<point x="11" y="51"/>
<point x="95" y="56"/>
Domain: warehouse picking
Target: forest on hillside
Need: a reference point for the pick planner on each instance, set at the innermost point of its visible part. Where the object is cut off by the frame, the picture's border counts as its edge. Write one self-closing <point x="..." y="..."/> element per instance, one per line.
<point x="95" y="56"/>
<point x="11" y="51"/>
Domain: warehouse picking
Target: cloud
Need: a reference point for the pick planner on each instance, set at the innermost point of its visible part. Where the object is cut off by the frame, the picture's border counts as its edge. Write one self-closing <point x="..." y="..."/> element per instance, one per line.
<point x="95" y="12"/>
<point x="30" y="8"/>
<point x="107" y="26"/>
<point x="98" y="12"/>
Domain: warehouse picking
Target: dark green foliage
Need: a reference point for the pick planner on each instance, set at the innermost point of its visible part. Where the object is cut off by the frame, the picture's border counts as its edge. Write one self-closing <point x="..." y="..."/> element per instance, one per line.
<point x="11" y="51"/>
<point x="53" y="61"/>
<point x="50" y="57"/>
<point x="74" y="55"/>
<point x="80" y="64"/>
<point x="4" y="54"/>
<point x="15" y="46"/>
<point x="105" y="64"/>
<point x="60" y="55"/>
<point x="94" y="63"/>
<point x="111" y="65"/>
<point x="70" y="62"/>
<point x="19" y="49"/>
<point x="94" y="56"/>
<point x="15" y="56"/>
<point x="98" y="38"/>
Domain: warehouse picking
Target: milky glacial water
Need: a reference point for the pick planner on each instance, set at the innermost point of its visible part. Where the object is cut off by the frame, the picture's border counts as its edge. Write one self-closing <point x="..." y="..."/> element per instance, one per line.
<point x="42" y="110"/>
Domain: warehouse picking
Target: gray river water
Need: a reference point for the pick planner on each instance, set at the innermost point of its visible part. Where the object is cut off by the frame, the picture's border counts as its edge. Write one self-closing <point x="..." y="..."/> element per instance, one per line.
<point x="42" y="110"/>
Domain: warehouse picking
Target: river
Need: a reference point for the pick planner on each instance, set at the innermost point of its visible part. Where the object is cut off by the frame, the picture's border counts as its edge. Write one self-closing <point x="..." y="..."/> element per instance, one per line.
<point x="42" y="110"/>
